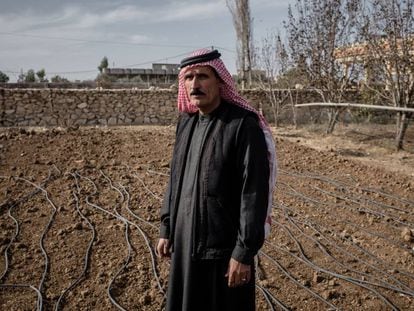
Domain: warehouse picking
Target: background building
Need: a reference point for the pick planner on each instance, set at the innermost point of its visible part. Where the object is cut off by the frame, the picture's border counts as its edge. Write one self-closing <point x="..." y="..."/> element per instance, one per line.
<point x="160" y="73"/>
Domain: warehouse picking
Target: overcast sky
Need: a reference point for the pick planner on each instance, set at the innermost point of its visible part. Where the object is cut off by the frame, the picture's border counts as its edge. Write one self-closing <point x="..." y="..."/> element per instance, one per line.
<point x="70" y="38"/>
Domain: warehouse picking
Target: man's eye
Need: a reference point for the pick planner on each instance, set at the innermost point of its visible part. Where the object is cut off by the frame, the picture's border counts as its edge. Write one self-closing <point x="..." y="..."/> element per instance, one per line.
<point x="189" y="77"/>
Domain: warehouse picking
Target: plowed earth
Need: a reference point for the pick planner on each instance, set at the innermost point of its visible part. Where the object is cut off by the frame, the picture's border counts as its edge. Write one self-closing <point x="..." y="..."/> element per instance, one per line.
<point x="79" y="213"/>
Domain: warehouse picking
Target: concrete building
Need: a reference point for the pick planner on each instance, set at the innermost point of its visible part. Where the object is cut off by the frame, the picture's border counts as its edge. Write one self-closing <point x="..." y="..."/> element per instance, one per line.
<point x="160" y="73"/>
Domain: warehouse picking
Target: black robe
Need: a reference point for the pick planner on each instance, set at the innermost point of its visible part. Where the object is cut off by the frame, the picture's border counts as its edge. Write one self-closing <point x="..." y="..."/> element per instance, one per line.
<point x="200" y="284"/>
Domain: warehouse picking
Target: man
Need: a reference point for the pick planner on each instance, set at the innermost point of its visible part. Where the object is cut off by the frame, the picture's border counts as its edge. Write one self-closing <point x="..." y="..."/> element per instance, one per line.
<point x="217" y="201"/>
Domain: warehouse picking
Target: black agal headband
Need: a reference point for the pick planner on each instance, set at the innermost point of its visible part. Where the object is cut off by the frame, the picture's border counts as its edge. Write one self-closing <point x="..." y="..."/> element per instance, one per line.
<point x="199" y="58"/>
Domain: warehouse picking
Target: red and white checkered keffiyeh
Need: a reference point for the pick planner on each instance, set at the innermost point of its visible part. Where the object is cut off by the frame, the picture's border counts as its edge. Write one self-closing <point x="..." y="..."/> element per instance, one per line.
<point x="229" y="93"/>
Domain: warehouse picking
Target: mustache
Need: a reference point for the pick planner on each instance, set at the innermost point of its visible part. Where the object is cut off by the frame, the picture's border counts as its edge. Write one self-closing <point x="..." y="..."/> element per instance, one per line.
<point x="197" y="92"/>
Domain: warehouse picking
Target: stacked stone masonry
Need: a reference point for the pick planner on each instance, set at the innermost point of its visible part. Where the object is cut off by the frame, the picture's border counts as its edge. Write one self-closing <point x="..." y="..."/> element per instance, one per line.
<point x="33" y="107"/>
<point x="71" y="107"/>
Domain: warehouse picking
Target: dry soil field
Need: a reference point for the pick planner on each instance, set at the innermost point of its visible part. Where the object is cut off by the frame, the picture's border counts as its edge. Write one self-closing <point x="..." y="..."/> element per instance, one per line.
<point x="79" y="214"/>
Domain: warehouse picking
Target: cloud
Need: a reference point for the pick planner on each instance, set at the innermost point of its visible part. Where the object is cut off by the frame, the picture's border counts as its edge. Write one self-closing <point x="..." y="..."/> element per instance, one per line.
<point x="137" y="39"/>
<point x="76" y="17"/>
<point x="124" y="13"/>
<point x="189" y="11"/>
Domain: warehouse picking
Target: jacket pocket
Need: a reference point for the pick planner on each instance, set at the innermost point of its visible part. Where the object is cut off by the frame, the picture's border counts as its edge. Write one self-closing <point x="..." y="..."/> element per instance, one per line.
<point x="221" y="232"/>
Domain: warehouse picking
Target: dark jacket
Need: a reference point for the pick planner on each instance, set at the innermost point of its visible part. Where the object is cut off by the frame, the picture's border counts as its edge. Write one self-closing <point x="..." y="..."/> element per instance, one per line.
<point x="233" y="185"/>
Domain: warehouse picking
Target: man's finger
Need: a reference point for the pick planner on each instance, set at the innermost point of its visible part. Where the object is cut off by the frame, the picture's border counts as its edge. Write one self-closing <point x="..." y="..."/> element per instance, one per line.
<point x="158" y="250"/>
<point x="231" y="280"/>
<point x="165" y="249"/>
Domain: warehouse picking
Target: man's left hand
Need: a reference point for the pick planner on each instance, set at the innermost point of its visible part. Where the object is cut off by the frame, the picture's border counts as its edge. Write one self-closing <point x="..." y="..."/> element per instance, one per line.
<point x="238" y="274"/>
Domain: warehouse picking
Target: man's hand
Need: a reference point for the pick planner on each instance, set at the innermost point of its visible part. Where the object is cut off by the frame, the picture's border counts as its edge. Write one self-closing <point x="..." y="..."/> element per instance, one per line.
<point x="237" y="273"/>
<point x="163" y="248"/>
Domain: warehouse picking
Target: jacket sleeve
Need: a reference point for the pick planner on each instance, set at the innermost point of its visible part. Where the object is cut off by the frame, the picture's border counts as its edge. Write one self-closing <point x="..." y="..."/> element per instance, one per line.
<point x="165" y="213"/>
<point x="253" y="167"/>
<point x="166" y="204"/>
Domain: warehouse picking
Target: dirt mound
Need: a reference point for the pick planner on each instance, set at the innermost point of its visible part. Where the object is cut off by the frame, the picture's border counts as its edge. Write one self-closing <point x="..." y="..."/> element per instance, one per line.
<point x="79" y="213"/>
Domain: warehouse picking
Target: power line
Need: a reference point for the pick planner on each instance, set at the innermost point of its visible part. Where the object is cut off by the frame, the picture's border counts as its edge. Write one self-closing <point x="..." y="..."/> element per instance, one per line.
<point x="95" y="41"/>
<point x="122" y="66"/>
<point x="106" y="41"/>
<point x="94" y="70"/>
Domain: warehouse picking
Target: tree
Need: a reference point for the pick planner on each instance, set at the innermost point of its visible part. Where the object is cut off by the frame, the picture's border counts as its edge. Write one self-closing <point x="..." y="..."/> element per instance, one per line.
<point x="104" y="80"/>
<point x="58" y="79"/>
<point x="240" y="11"/>
<point x="22" y="77"/>
<point x="3" y="77"/>
<point x="30" y="76"/>
<point x="271" y="57"/>
<point x="316" y="30"/>
<point x="387" y="34"/>
<point x="103" y="65"/>
<point x="41" y="74"/>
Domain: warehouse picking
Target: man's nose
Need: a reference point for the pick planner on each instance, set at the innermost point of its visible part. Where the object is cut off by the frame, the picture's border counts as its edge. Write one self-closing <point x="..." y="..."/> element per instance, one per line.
<point x="195" y="83"/>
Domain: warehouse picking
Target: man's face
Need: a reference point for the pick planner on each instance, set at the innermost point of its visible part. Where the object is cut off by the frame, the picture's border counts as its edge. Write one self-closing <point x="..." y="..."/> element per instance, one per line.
<point x="203" y="88"/>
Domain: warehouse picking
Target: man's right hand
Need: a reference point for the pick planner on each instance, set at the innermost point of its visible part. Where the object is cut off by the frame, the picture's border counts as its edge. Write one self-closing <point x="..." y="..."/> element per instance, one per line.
<point x="163" y="248"/>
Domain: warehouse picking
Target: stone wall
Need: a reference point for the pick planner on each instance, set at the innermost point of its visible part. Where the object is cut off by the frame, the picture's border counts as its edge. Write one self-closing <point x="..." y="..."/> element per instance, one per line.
<point x="83" y="85"/>
<point x="68" y="107"/>
<point x="50" y="107"/>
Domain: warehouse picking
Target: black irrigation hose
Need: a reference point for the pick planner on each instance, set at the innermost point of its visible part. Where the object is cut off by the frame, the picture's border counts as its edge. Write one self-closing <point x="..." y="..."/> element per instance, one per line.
<point x="316" y="267"/>
<point x="28" y="196"/>
<point x="292" y="278"/>
<point x="379" y="260"/>
<point x="316" y="202"/>
<point x="347" y="186"/>
<point x="157" y="173"/>
<point x="142" y="219"/>
<point x="6" y="251"/>
<point x="364" y="251"/>
<point x="150" y="191"/>
<point x="131" y="171"/>
<point x="88" y="250"/>
<point x="404" y="200"/>
<point x="359" y="203"/>
<point x="131" y="223"/>
<point x="339" y="276"/>
<point x="378" y="191"/>
<point x="39" y="295"/>
<point x="39" y="188"/>
<point x="382" y="284"/>
<point x="397" y="244"/>
<point x="47" y="227"/>
<point x="266" y="296"/>
<point x="359" y="209"/>
<point x="11" y="205"/>
<point x="346" y="253"/>
<point x="128" y="258"/>
<point x="367" y="210"/>
<point x="152" y="253"/>
<point x="146" y="187"/>
<point x="131" y="212"/>
<point x="269" y="298"/>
